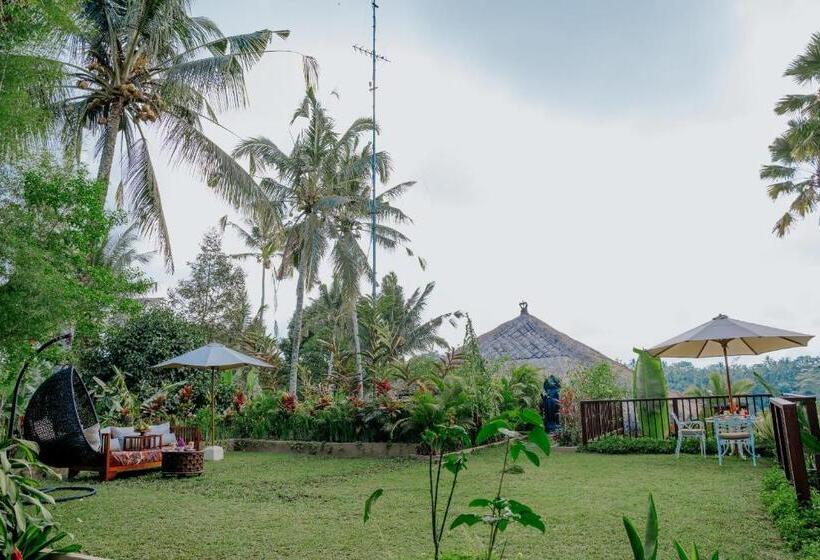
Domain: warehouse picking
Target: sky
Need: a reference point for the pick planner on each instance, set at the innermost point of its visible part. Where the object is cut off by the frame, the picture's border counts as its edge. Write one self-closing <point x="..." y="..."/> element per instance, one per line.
<point x="597" y="159"/>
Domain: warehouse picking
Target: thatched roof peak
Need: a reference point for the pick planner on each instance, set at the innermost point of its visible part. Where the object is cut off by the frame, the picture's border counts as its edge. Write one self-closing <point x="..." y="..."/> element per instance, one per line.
<point x="528" y="339"/>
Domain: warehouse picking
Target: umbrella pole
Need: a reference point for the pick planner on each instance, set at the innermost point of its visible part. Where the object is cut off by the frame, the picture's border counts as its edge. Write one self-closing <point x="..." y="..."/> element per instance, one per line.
<point x="728" y="377"/>
<point x="213" y="406"/>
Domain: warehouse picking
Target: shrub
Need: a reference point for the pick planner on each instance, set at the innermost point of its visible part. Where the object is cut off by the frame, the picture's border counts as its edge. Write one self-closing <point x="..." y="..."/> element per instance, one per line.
<point x="154" y="335"/>
<point x="597" y="382"/>
<point x="800" y="527"/>
<point x="619" y="445"/>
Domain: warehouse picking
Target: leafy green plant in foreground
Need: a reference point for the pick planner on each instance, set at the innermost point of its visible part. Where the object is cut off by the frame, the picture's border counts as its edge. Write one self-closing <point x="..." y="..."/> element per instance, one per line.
<point x="500" y="510"/>
<point x="26" y="526"/>
<point x="438" y="439"/>
<point x="647" y="549"/>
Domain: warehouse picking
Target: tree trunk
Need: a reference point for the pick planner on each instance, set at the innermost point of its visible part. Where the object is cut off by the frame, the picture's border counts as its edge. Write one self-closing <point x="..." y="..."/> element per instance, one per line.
<point x="357" y="347"/>
<point x="107" y="156"/>
<point x="262" y="304"/>
<point x="296" y="336"/>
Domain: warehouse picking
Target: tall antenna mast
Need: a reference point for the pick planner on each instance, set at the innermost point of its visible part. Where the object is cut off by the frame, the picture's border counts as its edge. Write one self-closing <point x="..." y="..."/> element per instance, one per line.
<point x="374" y="57"/>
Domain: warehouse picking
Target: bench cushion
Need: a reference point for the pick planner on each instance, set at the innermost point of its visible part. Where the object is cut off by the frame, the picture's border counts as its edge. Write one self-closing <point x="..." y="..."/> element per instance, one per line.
<point x="133" y="458"/>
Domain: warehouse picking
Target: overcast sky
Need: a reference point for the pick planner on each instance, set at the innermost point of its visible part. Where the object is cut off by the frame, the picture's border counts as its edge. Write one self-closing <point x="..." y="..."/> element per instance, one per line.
<point x="597" y="159"/>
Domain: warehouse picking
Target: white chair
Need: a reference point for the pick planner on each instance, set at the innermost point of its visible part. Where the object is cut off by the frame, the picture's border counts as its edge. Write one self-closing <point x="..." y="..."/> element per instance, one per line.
<point x="692" y="429"/>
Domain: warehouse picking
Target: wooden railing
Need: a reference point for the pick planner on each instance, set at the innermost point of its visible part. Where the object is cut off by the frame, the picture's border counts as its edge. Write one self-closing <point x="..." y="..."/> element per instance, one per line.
<point x="651" y="417"/>
<point x="788" y="443"/>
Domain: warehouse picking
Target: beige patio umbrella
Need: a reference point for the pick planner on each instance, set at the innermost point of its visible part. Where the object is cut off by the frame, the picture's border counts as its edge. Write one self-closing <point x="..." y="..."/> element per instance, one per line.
<point x="724" y="336"/>
<point x="214" y="357"/>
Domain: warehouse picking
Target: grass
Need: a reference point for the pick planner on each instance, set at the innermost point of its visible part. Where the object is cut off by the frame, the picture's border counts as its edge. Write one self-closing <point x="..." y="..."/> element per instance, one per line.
<point x="264" y="505"/>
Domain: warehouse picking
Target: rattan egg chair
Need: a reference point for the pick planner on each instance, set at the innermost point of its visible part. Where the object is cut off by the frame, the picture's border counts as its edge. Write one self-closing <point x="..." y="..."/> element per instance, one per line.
<point x="61" y="419"/>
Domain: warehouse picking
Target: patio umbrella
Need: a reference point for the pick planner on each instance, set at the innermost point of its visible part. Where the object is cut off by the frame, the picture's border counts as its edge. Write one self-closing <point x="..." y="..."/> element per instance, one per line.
<point x="213" y="357"/>
<point x="724" y="336"/>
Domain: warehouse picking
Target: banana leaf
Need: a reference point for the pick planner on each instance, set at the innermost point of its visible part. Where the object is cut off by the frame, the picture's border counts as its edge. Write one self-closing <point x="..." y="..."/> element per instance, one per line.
<point x="649" y="382"/>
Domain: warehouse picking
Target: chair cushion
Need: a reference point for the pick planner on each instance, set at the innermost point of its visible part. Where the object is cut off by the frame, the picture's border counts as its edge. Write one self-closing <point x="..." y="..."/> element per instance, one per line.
<point x="735" y="435"/>
<point x="131" y="458"/>
<point x="691" y="431"/>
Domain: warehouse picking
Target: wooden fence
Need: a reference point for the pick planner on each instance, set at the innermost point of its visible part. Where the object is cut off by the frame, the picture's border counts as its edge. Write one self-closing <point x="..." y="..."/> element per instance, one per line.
<point x="651" y="417"/>
<point x="788" y="443"/>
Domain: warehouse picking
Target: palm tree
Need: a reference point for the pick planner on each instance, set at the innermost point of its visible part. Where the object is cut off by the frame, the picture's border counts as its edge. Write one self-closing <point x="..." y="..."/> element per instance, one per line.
<point x="716" y="386"/>
<point x="795" y="171"/>
<point x="264" y="236"/>
<point x="119" y="252"/>
<point x="307" y="185"/>
<point x="795" y="154"/>
<point x="393" y="326"/>
<point x="352" y="219"/>
<point x="134" y="64"/>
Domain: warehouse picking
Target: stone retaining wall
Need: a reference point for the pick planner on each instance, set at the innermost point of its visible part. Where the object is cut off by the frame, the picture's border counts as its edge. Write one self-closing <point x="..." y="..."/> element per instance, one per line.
<point x="358" y="449"/>
<point x="355" y="449"/>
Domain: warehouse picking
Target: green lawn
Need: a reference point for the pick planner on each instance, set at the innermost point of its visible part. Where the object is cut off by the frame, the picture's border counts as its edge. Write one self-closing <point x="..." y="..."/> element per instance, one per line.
<point x="263" y="505"/>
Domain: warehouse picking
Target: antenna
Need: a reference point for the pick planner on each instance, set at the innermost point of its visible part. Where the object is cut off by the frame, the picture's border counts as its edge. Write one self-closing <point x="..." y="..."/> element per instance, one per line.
<point x="374" y="57"/>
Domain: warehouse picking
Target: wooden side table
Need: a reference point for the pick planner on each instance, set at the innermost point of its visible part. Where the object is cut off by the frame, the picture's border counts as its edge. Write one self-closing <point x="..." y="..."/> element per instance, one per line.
<point x="185" y="462"/>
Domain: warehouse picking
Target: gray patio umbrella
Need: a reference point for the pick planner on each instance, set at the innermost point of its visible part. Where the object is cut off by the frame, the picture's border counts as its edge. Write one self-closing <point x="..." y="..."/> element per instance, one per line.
<point x="724" y="336"/>
<point x="213" y="357"/>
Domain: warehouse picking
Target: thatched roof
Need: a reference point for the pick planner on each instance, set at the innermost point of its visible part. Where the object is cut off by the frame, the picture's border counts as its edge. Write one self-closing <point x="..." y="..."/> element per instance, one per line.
<point x="529" y="340"/>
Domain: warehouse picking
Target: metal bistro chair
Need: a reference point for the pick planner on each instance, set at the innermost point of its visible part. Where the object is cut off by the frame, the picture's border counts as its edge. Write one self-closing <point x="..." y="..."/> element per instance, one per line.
<point x="735" y="432"/>
<point x="692" y="429"/>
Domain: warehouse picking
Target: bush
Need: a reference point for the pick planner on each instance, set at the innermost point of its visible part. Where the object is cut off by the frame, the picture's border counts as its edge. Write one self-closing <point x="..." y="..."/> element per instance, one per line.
<point x="798" y="527"/>
<point x="619" y="445"/>
<point x="597" y="382"/>
<point x="154" y="335"/>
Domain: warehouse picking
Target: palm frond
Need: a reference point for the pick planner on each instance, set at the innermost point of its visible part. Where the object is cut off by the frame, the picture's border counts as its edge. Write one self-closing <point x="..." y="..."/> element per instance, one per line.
<point x="142" y="193"/>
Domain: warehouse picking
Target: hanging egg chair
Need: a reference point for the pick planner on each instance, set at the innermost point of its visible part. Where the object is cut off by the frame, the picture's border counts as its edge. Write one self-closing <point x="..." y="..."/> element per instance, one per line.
<point x="61" y="419"/>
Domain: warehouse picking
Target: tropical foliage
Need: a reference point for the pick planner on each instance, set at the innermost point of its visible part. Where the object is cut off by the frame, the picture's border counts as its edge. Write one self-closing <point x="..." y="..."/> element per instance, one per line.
<point x="597" y="382"/>
<point x="135" y="65"/>
<point x="787" y="375"/>
<point x="53" y="220"/>
<point x="647" y="548"/>
<point x="649" y="382"/>
<point x="214" y="296"/>
<point x="795" y="154"/>
<point x="321" y="184"/>
<point x="27" y="529"/>
<point x="27" y="85"/>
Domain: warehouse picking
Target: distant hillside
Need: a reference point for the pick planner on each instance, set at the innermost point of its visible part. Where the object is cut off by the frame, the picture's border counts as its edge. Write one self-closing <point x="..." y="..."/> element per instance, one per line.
<point x="788" y="375"/>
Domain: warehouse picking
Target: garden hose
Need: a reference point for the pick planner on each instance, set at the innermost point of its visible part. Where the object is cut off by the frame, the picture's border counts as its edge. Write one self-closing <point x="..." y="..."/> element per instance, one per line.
<point x="84" y="492"/>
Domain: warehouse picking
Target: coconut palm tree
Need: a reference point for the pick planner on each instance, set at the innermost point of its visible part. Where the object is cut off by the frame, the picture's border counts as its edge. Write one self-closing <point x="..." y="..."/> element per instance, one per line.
<point x="352" y="220"/>
<point x="139" y="64"/>
<point x="795" y="154"/>
<point x="795" y="171"/>
<point x="120" y="252"/>
<point x="307" y="185"/>
<point x="263" y="235"/>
